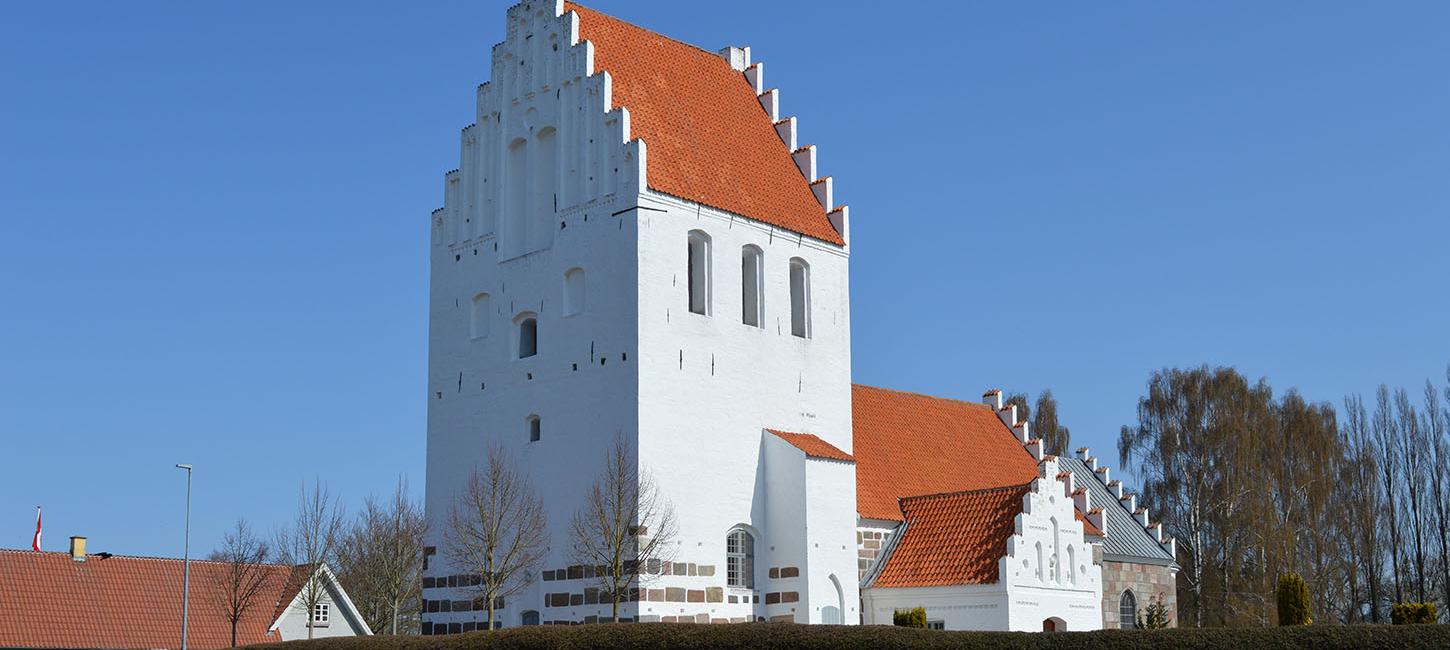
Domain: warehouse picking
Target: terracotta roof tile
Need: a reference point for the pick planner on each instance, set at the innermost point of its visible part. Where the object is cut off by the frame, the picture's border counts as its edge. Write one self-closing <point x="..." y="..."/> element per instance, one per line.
<point x="1087" y="526"/>
<point x="813" y="446"/>
<point x="48" y="600"/>
<point x="907" y="444"/>
<point x="707" y="137"/>
<point x="952" y="539"/>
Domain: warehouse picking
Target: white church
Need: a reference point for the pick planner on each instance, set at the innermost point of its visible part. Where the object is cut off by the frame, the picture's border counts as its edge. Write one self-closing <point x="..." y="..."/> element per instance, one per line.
<point x="635" y="244"/>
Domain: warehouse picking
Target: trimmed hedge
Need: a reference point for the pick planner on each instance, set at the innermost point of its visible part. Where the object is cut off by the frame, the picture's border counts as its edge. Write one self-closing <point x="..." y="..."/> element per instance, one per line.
<point x="687" y="636"/>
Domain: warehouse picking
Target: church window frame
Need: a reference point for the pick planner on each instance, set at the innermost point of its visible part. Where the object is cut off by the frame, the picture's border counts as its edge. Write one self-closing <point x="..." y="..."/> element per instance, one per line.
<point x="740" y="558"/>
<point x="752" y="286"/>
<point x="800" y="298"/>
<point x="1127" y="610"/>
<point x="697" y="273"/>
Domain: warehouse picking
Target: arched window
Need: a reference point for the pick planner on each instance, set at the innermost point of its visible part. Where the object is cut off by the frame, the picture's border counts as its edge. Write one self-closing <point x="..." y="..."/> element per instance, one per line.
<point x="528" y="335"/>
<point x="698" y="273"/>
<point x="535" y="430"/>
<point x="573" y="291"/>
<point x="752" y="305"/>
<point x="800" y="298"/>
<point x="530" y="617"/>
<point x="1127" y="611"/>
<point x="478" y="317"/>
<point x="740" y="559"/>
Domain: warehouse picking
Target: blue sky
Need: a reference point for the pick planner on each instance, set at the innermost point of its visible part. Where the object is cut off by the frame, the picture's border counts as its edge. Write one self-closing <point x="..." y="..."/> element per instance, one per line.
<point x="213" y="219"/>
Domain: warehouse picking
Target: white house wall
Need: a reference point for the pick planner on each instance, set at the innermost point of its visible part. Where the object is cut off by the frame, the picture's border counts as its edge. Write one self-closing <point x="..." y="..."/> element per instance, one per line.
<point x="959" y="607"/>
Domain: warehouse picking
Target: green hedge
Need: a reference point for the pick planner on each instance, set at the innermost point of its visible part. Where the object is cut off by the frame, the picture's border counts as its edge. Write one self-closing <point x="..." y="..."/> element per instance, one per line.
<point x="683" y="636"/>
<point x="1412" y="613"/>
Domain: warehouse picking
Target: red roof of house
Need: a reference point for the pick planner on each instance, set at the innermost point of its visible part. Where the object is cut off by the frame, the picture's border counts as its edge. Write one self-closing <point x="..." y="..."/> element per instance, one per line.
<point x="953" y="539"/>
<point x="907" y="444"/>
<point x="48" y="600"/>
<point x="813" y="446"/>
<point x="708" y="138"/>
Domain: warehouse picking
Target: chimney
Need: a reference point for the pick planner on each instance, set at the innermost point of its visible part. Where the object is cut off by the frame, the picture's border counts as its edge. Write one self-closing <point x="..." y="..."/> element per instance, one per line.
<point x="78" y="548"/>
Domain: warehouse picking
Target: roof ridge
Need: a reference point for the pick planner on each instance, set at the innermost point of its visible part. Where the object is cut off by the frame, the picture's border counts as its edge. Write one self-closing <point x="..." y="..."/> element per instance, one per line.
<point x="943" y="495"/>
<point x="935" y="397"/>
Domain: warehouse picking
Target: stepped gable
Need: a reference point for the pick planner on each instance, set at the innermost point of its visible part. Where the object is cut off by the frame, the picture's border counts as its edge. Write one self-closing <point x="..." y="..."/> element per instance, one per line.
<point x="710" y="136"/>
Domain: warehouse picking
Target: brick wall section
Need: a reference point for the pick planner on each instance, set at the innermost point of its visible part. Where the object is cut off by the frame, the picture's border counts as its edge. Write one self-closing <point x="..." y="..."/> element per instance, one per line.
<point x="868" y="548"/>
<point x="1147" y="581"/>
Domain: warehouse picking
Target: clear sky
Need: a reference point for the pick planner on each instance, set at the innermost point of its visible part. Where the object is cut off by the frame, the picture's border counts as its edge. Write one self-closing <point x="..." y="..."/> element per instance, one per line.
<point x="214" y="219"/>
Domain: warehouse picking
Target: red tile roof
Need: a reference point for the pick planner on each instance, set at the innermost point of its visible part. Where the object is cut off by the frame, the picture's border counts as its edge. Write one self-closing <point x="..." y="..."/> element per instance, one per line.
<point x="953" y="539"/>
<point x="907" y="444"/>
<point x="1088" y="529"/>
<point x="707" y="137"/>
<point x="48" y="600"/>
<point x="813" y="446"/>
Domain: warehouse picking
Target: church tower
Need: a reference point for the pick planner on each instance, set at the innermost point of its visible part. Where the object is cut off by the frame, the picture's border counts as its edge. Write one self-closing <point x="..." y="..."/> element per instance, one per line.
<point x="635" y="245"/>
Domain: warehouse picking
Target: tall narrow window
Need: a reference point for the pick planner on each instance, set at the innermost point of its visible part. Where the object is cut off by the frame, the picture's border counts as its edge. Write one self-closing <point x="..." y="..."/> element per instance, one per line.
<point x="528" y="336"/>
<point x="698" y="273"/>
<point x="535" y="429"/>
<point x="573" y="291"/>
<point x="740" y="559"/>
<point x="1127" y="611"/>
<point x="478" y="317"/>
<point x="800" y="298"/>
<point x="752" y="308"/>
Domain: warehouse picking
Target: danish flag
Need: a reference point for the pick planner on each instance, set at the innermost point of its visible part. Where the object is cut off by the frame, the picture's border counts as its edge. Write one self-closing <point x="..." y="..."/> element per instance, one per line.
<point x="35" y="543"/>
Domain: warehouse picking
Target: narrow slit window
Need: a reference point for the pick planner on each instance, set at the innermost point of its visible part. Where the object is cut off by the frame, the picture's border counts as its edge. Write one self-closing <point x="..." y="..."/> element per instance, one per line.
<point x="698" y="273"/>
<point x="535" y="428"/>
<point x="752" y="307"/>
<point x="800" y="298"/>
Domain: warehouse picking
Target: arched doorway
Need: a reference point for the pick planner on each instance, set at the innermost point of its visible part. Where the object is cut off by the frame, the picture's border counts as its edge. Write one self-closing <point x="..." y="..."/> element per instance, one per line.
<point x="1054" y="624"/>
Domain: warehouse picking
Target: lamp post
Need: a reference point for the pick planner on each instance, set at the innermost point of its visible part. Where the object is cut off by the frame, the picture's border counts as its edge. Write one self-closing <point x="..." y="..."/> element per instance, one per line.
<point x="186" y="556"/>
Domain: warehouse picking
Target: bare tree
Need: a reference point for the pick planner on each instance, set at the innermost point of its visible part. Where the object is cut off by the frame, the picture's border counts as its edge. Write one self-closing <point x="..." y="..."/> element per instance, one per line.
<point x="624" y="527"/>
<point x="1413" y="453"/>
<point x="498" y="530"/>
<point x="240" y="582"/>
<point x="1434" y="428"/>
<point x="1055" y="438"/>
<point x="1389" y="454"/>
<point x="1364" y="489"/>
<point x="380" y="561"/>
<point x="310" y="543"/>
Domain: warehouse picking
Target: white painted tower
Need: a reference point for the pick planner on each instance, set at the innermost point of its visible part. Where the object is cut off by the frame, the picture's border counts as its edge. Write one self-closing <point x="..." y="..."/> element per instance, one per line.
<point x="571" y="300"/>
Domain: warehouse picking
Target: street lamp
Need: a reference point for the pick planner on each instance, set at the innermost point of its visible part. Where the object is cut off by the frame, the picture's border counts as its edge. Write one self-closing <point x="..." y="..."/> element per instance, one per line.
<point x="186" y="556"/>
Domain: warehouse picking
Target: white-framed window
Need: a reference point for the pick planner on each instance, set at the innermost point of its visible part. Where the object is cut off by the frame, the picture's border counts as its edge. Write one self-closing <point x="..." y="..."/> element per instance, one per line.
<point x="321" y="613"/>
<point x="936" y="625"/>
<point x="800" y="298"/>
<point x="478" y="317"/>
<point x="574" y="291"/>
<point x="534" y="427"/>
<point x="752" y="290"/>
<point x="697" y="276"/>
<point x="527" y="334"/>
<point x="740" y="559"/>
<point x="1127" y="611"/>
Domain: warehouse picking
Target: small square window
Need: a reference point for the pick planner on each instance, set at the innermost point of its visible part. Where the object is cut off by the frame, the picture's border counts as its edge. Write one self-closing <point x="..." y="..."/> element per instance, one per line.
<point x="936" y="625"/>
<point x="321" y="612"/>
